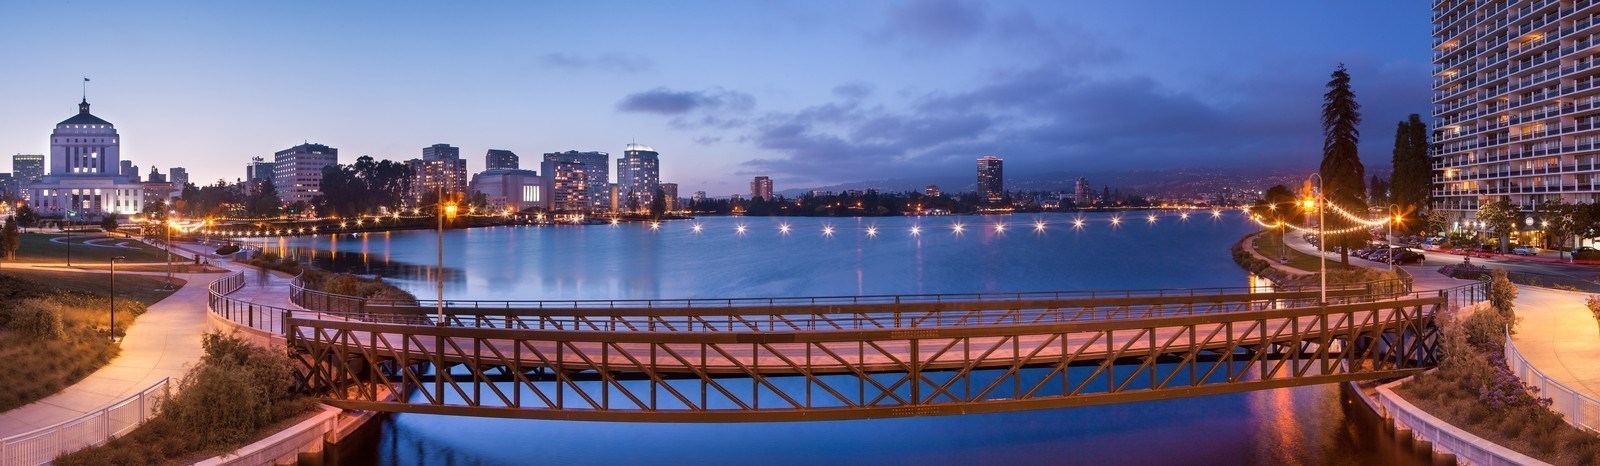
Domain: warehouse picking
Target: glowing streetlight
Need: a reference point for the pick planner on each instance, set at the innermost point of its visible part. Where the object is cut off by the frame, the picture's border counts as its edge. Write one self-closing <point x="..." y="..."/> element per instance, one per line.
<point x="740" y="228"/>
<point x="1038" y="226"/>
<point x="958" y="228"/>
<point x="827" y="230"/>
<point x="916" y="230"/>
<point x="697" y="228"/>
<point x="872" y="232"/>
<point x="783" y="228"/>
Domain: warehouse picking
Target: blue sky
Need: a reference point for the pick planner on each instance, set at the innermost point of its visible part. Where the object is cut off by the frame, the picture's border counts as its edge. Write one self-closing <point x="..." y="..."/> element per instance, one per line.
<point x="810" y="93"/>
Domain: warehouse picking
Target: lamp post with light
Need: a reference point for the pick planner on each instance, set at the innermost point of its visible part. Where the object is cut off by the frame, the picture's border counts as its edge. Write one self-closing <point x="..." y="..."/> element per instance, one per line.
<point x="444" y="209"/>
<point x="1322" y="237"/>
<point x="1393" y="217"/>
<point x="169" y="224"/>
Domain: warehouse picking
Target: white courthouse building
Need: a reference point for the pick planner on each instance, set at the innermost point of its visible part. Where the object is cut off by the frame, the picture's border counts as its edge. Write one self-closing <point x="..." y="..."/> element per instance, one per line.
<point x="85" y="175"/>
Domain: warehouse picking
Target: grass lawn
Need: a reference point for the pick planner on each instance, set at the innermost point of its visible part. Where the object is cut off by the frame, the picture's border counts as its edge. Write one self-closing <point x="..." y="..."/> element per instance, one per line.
<point x="57" y="333"/>
<point x="1271" y="246"/>
<point x="38" y="247"/>
<point x="145" y="289"/>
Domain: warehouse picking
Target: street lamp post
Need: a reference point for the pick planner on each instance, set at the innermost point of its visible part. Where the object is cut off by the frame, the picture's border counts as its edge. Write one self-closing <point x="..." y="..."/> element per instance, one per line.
<point x="444" y="209"/>
<point x="1393" y="217"/>
<point x="1322" y="237"/>
<point x="168" y="286"/>
<point x="69" y="238"/>
<point x="113" y="295"/>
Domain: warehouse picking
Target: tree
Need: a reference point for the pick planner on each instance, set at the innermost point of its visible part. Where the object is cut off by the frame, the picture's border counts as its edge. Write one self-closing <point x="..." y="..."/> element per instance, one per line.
<point x="1411" y="184"/>
<point x="156" y="210"/>
<point x="26" y="216"/>
<point x="10" y="238"/>
<point x="1378" y="192"/>
<point x="108" y="221"/>
<point x="1436" y="221"/>
<point x="658" y="204"/>
<point x="1500" y="218"/>
<point x="1343" y="176"/>
<point x="264" y="201"/>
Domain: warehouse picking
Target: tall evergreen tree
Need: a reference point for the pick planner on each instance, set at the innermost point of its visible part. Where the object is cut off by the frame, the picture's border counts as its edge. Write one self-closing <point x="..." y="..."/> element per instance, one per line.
<point x="1344" y="180"/>
<point x="1411" y="184"/>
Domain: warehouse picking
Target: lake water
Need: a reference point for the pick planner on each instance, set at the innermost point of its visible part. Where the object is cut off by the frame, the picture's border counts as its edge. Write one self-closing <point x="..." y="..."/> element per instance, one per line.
<point x="1306" y="425"/>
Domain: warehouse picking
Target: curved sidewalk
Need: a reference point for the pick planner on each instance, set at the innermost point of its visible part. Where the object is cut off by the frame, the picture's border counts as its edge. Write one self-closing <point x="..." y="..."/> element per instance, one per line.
<point x="1557" y="334"/>
<point x="162" y="342"/>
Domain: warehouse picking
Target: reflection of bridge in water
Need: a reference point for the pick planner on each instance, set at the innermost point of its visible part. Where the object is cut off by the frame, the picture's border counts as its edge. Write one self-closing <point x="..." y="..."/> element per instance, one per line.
<point x="844" y="357"/>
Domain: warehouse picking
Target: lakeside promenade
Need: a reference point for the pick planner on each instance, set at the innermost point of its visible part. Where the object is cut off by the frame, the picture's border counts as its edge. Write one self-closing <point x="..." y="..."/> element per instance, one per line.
<point x="1556" y="332"/>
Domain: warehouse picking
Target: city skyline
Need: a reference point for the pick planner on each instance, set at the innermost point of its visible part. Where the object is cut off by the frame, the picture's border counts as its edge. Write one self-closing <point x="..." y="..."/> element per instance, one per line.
<point x="730" y="115"/>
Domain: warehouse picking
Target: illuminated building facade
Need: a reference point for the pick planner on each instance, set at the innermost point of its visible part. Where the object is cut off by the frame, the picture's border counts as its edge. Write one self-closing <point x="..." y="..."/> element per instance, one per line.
<point x="1515" y="104"/>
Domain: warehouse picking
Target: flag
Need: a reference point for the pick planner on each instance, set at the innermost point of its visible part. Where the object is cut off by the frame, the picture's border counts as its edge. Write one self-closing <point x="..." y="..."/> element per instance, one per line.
<point x="85" y="79"/>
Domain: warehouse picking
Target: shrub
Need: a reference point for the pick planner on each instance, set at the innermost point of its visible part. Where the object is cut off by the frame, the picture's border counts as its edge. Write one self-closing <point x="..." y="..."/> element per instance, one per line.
<point x="1586" y="255"/>
<point x="1502" y="295"/>
<point x="38" y="318"/>
<point x="236" y="390"/>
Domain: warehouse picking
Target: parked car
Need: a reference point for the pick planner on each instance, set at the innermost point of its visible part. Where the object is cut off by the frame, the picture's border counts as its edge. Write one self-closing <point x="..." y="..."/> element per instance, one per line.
<point x="1525" y="250"/>
<point x="1379" y="256"/>
<point x="1406" y="256"/>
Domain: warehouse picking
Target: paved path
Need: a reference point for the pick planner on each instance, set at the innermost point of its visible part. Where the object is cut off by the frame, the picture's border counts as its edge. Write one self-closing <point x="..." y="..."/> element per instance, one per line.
<point x="161" y="343"/>
<point x="1557" y="333"/>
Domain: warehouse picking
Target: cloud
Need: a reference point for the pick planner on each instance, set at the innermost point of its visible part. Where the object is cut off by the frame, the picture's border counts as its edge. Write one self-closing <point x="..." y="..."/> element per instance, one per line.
<point x="665" y="101"/>
<point x="853" y="90"/>
<point x="930" y="26"/>
<point x="1051" y="118"/>
<point x="943" y="22"/>
<point x="612" y="62"/>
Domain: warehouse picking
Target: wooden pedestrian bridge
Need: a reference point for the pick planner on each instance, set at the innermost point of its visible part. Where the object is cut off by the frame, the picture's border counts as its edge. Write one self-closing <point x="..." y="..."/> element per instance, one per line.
<point x="845" y="357"/>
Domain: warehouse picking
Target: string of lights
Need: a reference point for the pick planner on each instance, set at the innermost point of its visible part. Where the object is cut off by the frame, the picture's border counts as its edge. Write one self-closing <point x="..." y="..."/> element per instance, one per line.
<point x="956" y="227"/>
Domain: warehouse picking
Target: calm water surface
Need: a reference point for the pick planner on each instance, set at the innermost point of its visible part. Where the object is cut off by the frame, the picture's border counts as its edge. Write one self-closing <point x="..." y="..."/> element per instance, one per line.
<point x="1306" y="425"/>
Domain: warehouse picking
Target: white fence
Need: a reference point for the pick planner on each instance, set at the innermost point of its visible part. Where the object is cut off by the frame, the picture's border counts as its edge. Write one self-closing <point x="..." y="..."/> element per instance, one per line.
<point x="1579" y="409"/>
<point x="93" y="428"/>
<point x="1469" y="448"/>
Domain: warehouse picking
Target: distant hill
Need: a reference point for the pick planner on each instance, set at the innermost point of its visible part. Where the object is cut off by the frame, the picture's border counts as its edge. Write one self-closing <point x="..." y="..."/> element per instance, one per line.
<point x="1175" y="182"/>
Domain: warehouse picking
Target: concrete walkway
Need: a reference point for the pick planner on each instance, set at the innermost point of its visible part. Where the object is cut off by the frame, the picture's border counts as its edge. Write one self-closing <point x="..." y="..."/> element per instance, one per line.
<point x="1557" y="333"/>
<point x="163" y="342"/>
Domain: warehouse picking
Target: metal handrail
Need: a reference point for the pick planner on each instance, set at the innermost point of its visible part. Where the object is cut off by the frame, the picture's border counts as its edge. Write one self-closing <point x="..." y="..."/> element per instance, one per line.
<point x="1577" y="408"/>
<point x="302" y="296"/>
<point x="43" y="445"/>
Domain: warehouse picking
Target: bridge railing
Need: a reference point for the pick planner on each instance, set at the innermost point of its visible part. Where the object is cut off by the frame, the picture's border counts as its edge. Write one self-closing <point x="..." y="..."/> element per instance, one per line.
<point x="860" y="373"/>
<point x="308" y="298"/>
<point x="855" y="315"/>
<point x="848" y="317"/>
<point x="253" y="315"/>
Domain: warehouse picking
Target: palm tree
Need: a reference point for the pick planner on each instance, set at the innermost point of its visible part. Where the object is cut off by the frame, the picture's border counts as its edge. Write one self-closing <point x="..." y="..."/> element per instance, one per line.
<point x="1344" y="181"/>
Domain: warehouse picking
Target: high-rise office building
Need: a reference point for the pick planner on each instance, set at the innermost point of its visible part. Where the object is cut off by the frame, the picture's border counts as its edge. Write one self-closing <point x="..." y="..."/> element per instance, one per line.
<point x="761" y="188"/>
<point x="1516" y="112"/>
<point x="670" y="191"/>
<point x="1082" y="192"/>
<point x="27" y="168"/>
<point x="85" y="177"/>
<point x="596" y="172"/>
<point x="498" y="159"/>
<point x="567" y="185"/>
<point x="297" y="171"/>
<point x="258" y="169"/>
<point x="639" y="174"/>
<point x="991" y="183"/>
<point x="179" y="177"/>
<point x="441" y="169"/>
<point x="130" y="170"/>
<point x="932" y="191"/>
